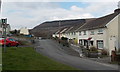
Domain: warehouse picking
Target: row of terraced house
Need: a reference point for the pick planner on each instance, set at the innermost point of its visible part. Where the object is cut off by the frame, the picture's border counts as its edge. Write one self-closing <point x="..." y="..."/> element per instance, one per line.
<point x="102" y="32"/>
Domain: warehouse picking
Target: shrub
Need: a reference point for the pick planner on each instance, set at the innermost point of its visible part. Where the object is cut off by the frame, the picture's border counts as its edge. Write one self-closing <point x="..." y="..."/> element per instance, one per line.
<point x="93" y="49"/>
<point x="64" y="41"/>
<point x="64" y="38"/>
<point x="81" y="46"/>
<point x="104" y="52"/>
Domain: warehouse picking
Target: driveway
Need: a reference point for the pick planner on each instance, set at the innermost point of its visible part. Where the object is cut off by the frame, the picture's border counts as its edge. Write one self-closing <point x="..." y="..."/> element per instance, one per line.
<point x="55" y="51"/>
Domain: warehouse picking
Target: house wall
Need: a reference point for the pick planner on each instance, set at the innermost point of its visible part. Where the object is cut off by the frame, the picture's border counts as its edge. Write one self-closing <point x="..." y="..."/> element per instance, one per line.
<point x="70" y="36"/>
<point x="113" y="37"/>
<point x="95" y="37"/>
<point x="53" y="35"/>
<point x="57" y="35"/>
<point x="119" y="32"/>
<point x="24" y="31"/>
<point x="63" y="35"/>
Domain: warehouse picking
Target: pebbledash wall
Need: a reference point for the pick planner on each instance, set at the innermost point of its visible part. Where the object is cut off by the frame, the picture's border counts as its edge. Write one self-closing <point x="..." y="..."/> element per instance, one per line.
<point x="112" y="34"/>
<point x="119" y="32"/>
<point x="96" y="36"/>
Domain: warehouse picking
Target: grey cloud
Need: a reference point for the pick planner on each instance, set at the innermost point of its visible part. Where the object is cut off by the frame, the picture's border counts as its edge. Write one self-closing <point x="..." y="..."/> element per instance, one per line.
<point x="34" y="13"/>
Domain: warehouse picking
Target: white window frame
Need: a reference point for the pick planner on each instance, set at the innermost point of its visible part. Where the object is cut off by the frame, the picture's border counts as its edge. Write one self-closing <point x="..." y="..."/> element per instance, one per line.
<point x="80" y="33"/>
<point x="92" y="32"/>
<point x="100" y="31"/>
<point x="100" y="42"/>
<point x="84" y="33"/>
<point x="74" y="33"/>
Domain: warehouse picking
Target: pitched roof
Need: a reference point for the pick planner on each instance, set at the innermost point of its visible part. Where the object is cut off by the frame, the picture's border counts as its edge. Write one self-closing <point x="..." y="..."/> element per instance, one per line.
<point x="62" y="30"/>
<point x="72" y="22"/>
<point x="79" y="24"/>
<point x="99" y="22"/>
<point x="73" y="28"/>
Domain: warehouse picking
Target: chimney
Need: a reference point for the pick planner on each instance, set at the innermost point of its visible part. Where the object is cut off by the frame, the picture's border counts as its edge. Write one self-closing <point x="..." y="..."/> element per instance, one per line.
<point x="117" y="11"/>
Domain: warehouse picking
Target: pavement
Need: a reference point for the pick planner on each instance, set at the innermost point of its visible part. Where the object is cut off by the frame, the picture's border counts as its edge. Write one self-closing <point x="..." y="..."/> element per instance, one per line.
<point x="106" y="60"/>
<point x="70" y="57"/>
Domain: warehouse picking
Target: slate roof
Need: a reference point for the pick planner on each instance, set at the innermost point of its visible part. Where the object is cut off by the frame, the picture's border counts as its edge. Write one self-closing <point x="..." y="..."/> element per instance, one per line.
<point x="66" y="23"/>
<point x="86" y="24"/>
<point x="62" y="30"/>
<point x="79" y="24"/>
<point x="99" y="22"/>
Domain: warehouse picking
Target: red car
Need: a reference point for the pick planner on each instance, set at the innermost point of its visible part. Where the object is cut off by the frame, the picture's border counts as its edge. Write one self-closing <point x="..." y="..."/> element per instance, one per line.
<point x="9" y="42"/>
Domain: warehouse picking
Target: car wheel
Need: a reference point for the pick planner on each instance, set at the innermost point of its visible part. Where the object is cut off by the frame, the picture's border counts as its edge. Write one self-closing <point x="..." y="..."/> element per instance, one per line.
<point x="17" y="45"/>
<point x="2" y="45"/>
<point x="8" y="45"/>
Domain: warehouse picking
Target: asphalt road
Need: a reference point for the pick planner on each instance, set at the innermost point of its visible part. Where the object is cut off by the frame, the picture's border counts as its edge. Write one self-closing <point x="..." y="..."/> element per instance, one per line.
<point x="53" y="50"/>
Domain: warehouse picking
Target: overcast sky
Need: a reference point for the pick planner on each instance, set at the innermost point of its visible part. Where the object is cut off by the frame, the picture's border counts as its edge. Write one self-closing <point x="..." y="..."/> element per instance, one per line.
<point x="31" y="14"/>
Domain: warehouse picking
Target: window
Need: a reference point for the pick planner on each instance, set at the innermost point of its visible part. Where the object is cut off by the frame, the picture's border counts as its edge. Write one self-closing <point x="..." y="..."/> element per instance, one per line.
<point x="84" y="32"/>
<point x="92" y="33"/>
<point x="100" y="31"/>
<point x="80" y="33"/>
<point x="100" y="44"/>
<point x="11" y="39"/>
<point x="74" y="33"/>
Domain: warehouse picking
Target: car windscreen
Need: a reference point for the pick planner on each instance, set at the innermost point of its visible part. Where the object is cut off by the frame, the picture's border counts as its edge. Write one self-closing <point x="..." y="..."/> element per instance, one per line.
<point x="11" y="39"/>
<point x="1" y="38"/>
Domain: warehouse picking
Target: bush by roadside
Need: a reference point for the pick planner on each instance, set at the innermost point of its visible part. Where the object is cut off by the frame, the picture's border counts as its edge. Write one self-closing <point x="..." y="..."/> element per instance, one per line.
<point x="63" y="41"/>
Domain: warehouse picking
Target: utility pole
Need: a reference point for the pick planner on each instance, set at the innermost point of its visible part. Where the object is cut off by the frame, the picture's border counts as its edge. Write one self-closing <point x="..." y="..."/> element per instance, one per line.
<point x="4" y="25"/>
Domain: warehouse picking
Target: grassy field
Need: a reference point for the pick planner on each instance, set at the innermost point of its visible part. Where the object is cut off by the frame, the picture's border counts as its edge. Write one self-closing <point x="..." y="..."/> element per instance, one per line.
<point x="0" y="58"/>
<point x="25" y="58"/>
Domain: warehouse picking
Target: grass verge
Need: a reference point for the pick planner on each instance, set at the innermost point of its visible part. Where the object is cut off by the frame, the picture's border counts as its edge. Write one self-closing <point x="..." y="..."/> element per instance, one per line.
<point x="0" y="58"/>
<point x="25" y="58"/>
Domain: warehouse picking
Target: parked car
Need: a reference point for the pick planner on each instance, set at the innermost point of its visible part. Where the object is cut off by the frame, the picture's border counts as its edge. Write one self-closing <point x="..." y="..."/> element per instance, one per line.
<point x="9" y="42"/>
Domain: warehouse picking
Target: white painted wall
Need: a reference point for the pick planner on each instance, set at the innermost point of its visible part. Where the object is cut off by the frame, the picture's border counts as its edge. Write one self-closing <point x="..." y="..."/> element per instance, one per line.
<point x="95" y="37"/>
<point x="82" y="36"/>
<point x="110" y="36"/>
<point x="113" y="35"/>
<point x="119" y="32"/>
<point x="71" y="36"/>
<point x="24" y="31"/>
